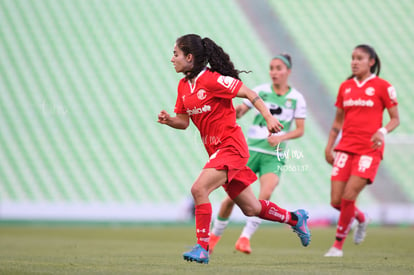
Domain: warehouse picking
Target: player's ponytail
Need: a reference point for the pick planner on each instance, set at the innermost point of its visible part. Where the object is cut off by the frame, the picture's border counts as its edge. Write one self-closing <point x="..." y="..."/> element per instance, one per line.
<point x="376" y="68"/>
<point x="218" y="59"/>
<point x="206" y="51"/>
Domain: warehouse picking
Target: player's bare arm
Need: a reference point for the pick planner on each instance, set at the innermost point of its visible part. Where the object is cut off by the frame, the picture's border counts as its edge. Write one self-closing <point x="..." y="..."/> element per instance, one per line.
<point x="241" y="110"/>
<point x="274" y="140"/>
<point x="394" y="119"/>
<point x="333" y="134"/>
<point x="273" y="124"/>
<point x="180" y="121"/>
<point x="378" y="137"/>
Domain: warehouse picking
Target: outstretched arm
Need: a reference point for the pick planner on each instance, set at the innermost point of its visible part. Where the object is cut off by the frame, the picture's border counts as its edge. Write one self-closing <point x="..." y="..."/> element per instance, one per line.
<point x="180" y="121"/>
<point x="273" y="125"/>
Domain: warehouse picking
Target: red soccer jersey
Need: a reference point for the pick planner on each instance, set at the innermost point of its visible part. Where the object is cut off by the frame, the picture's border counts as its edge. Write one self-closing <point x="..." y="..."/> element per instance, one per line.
<point x="363" y="104"/>
<point x="209" y="104"/>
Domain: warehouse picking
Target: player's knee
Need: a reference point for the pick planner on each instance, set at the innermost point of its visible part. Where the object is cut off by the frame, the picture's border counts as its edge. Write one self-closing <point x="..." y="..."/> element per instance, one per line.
<point x="249" y="211"/>
<point x="197" y="191"/>
<point x="335" y="203"/>
<point x="335" y="200"/>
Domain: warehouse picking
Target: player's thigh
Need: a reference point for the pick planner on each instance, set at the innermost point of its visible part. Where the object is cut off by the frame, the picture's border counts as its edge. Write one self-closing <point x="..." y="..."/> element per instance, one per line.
<point x="208" y="180"/>
<point x="341" y="171"/>
<point x="268" y="183"/>
<point x="354" y="186"/>
<point x="270" y="170"/>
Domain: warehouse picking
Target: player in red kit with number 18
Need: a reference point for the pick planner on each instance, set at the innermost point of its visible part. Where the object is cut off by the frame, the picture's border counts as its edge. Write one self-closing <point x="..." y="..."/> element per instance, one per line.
<point x="360" y="104"/>
<point x="205" y="95"/>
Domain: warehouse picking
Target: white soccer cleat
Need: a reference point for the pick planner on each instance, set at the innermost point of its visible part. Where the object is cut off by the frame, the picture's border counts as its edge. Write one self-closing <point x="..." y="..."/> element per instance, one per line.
<point x="334" y="252"/>
<point x="361" y="231"/>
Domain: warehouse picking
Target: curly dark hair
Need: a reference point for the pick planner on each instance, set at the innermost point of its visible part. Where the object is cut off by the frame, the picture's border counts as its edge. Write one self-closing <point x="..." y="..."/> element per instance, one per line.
<point x="206" y="51"/>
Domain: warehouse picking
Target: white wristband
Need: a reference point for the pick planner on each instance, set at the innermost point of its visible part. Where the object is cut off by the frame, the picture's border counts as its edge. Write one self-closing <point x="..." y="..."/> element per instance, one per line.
<point x="383" y="130"/>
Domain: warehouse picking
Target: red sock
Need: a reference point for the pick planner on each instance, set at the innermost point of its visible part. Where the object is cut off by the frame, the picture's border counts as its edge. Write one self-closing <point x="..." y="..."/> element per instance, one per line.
<point x="345" y="221"/>
<point x="359" y="215"/>
<point x="203" y="219"/>
<point x="271" y="212"/>
<point x="339" y="244"/>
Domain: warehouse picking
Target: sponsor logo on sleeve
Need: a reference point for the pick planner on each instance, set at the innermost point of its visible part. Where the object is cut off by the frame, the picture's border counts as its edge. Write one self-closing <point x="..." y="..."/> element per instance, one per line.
<point x="392" y="93"/>
<point x="227" y="82"/>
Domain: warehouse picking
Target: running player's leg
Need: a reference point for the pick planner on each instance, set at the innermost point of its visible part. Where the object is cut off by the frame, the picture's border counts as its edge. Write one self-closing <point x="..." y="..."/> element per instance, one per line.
<point x="340" y="175"/>
<point x="220" y="222"/>
<point x="362" y="169"/>
<point x="268" y="183"/>
<point x="366" y="167"/>
<point x="268" y="210"/>
<point x="351" y="191"/>
<point x="237" y="185"/>
<point x="208" y="180"/>
<point x="341" y="172"/>
<point x="269" y="167"/>
<point x="353" y="187"/>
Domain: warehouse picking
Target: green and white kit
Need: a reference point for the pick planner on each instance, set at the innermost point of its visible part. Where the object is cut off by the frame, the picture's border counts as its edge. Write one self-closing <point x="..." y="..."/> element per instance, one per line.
<point x="286" y="108"/>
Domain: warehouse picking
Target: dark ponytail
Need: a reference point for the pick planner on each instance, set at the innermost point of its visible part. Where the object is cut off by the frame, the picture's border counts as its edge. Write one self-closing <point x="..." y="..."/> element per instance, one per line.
<point x="206" y="51"/>
<point x="219" y="60"/>
<point x="376" y="68"/>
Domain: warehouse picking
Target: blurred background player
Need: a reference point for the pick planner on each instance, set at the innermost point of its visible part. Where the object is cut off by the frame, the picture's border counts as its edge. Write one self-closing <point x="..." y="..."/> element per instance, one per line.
<point x="205" y="95"/>
<point x="360" y="104"/>
<point x="266" y="152"/>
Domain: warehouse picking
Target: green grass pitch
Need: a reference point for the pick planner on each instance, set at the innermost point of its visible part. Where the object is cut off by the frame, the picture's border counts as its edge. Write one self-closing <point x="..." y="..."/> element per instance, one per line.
<point x="157" y="249"/>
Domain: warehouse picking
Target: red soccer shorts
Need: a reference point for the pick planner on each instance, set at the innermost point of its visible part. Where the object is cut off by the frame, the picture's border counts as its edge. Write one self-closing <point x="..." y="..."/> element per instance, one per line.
<point x="239" y="176"/>
<point x="347" y="164"/>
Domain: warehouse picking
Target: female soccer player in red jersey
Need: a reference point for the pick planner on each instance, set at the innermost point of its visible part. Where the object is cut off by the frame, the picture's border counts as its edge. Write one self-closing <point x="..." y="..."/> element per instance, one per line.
<point x="360" y="104"/>
<point x="205" y="95"/>
<point x="267" y="154"/>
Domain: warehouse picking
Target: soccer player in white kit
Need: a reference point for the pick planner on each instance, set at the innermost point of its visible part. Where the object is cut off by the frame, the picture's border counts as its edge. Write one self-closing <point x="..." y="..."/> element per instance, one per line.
<point x="361" y="101"/>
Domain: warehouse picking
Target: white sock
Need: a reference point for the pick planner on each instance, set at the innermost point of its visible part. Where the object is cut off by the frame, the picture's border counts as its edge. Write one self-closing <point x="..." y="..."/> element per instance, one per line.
<point x="219" y="226"/>
<point x="252" y="224"/>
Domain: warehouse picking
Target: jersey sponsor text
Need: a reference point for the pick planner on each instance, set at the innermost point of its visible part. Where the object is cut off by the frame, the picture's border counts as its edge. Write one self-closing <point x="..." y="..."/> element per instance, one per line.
<point x="358" y="102"/>
<point x="195" y="111"/>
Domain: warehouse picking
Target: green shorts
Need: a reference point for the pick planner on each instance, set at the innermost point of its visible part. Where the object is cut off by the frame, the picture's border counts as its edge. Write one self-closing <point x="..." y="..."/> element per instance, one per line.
<point x="264" y="163"/>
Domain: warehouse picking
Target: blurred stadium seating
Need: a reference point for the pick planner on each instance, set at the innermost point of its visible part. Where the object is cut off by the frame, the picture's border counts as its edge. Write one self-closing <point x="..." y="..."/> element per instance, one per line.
<point x="82" y="82"/>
